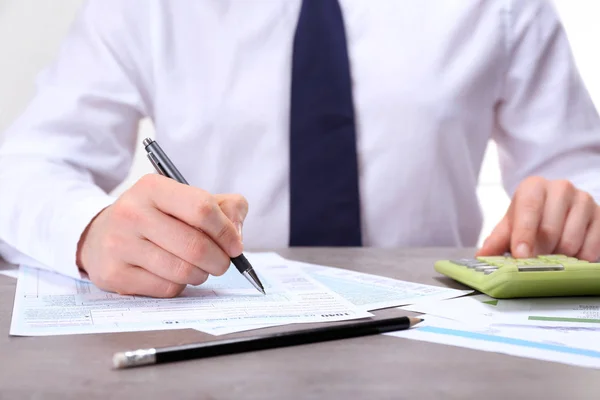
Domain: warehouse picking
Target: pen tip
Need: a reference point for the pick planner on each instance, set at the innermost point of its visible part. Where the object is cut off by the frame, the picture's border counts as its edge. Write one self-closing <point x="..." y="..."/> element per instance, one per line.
<point x="253" y="278"/>
<point x="260" y="287"/>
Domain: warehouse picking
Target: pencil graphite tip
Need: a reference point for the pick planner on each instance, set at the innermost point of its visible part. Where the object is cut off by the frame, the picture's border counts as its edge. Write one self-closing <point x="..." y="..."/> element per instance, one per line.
<point x="414" y="321"/>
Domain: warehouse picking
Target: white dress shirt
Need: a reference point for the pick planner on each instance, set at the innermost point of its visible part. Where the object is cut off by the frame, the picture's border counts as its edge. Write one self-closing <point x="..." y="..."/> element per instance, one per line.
<point x="433" y="82"/>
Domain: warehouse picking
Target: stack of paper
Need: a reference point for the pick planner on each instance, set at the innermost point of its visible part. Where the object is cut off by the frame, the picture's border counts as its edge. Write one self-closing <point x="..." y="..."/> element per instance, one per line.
<point x="565" y="330"/>
<point x="365" y="292"/>
<point x="51" y="304"/>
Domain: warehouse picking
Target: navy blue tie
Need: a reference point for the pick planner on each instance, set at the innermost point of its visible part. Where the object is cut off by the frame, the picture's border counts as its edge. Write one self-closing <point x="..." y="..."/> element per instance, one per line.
<point x="324" y="203"/>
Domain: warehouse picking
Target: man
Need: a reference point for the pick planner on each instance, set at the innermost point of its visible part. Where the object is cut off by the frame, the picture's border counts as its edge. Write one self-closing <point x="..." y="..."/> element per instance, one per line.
<point x="356" y="123"/>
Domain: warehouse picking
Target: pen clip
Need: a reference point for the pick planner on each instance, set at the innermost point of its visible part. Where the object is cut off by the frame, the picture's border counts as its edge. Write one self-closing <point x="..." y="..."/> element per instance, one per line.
<point x="156" y="164"/>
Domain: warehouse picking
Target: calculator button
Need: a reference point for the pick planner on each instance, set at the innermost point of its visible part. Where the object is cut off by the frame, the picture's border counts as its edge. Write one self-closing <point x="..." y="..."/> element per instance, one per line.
<point x="503" y="263"/>
<point x="469" y="262"/>
<point x="541" y="267"/>
<point x="485" y="268"/>
<point x="462" y="261"/>
<point x="531" y="261"/>
<point x="477" y="265"/>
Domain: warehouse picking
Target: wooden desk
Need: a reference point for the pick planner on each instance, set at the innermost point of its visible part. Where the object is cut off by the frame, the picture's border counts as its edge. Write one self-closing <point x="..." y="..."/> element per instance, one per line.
<point x="373" y="367"/>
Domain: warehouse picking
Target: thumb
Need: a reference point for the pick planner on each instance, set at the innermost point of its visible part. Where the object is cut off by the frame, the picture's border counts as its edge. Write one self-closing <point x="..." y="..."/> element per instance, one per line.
<point x="498" y="242"/>
<point x="235" y="207"/>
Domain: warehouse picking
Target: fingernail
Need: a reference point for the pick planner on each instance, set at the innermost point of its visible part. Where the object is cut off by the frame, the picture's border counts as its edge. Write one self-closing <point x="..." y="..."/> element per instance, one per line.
<point x="522" y="250"/>
<point x="238" y="226"/>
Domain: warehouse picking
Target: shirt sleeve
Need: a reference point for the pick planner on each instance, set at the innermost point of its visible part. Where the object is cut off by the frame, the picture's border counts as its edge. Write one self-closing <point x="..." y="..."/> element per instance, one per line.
<point x="547" y="124"/>
<point x="75" y="141"/>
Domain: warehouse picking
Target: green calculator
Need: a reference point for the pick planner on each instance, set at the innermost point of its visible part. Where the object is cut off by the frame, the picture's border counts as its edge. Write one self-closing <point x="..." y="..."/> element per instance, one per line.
<point x="505" y="277"/>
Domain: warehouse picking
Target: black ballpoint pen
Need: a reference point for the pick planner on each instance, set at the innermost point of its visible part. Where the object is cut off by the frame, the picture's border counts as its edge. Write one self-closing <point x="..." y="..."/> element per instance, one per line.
<point x="165" y="167"/>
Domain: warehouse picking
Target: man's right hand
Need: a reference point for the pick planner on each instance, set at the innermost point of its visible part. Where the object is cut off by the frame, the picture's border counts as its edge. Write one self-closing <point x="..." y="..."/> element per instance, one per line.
<point x="161" y="235"/>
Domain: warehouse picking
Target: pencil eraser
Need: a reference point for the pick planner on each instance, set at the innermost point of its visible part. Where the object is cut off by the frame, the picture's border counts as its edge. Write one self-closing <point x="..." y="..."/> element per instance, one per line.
<point x="119" y="360"/>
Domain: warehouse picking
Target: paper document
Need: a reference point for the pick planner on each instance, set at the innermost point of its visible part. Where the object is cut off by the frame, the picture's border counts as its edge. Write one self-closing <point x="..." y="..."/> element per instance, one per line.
<point x="483" y="323"/>
<point x="581" y="312"/>
<point x="581" y="349"/>
<point x="475" y="310"/>
<point x="566" y="312"/>
<point x="372" y="292"/>
<point x="218" y="330"/>
<point x="10" y="272"/>
<point x="51" y="304"/>
<point x="365" y="291"/>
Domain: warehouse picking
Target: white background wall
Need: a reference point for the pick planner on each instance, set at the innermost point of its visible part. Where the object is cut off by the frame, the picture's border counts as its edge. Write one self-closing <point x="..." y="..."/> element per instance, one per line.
<point x="31" y="31"/>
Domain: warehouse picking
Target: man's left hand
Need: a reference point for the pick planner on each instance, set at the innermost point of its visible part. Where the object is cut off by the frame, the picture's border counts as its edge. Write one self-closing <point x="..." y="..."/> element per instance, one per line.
<point x="547" y="217"/>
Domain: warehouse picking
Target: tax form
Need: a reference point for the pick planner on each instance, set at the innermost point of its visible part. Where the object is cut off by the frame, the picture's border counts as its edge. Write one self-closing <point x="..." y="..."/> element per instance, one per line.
<point x="52" y="304"/>
<point x="569" y="312"/>
<point x="8" y="270"/>
<point x="11" y="273"/>
<point x="562" y="329"/>
<point x="559" y="312"/>
<point x="365" y="291"/>
<point x="373" y="292"/>
<point x="580" y="348"/>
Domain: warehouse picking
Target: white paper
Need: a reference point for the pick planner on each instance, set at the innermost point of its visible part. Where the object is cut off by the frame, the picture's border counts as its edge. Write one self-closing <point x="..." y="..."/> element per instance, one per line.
<point x="10" y="272"/>
<point x="583" y="312"/>
<point x="51" y="304"/>
<point x="218" y="330"/>
<point x="472" y="310"/>
<point x="365" y="291"/>
<point x="560" y="312"/>
<point x="372" y="292"/>
<point x="566" y="346"/>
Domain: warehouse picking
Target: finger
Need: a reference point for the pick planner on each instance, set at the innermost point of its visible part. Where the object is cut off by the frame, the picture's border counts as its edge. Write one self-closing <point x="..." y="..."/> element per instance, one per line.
<point x="235" y="207"/>
<point x="590" y="251"/>
<point x="559" y="199"/>
<point x="526" y="217"/>
<point x="576" y="226"/>
<point x="186" y="243"/>
<point x="498" y="242"/>
<point x="195" y="207"/>
<point x="165" y="265"/>
<point x="133" y="280"/>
